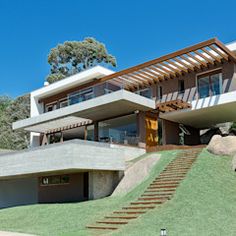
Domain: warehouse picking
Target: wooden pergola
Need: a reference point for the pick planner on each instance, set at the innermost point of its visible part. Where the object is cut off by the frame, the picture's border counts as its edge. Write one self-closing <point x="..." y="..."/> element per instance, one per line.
<point x="193" y="58"/>
<point x="173" y="105"/>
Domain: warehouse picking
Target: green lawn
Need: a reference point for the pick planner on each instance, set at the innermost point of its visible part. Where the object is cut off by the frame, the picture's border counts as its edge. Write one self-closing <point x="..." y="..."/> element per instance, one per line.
<point x="204" y="204"/>
<point x="71" y="219"/>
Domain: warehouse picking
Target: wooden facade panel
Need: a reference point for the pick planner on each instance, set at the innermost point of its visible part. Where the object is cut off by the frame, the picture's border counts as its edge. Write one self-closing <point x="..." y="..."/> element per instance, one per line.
<point x="151" y="124"/>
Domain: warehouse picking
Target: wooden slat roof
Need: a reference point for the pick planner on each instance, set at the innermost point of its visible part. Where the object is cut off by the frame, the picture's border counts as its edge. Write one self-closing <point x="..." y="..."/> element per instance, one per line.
<point x="173" y="105"/>
<point x="172" y="65"/>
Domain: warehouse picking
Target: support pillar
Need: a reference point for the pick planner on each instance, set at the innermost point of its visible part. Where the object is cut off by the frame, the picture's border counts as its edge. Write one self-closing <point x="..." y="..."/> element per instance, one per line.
<point x="96" y="131"/>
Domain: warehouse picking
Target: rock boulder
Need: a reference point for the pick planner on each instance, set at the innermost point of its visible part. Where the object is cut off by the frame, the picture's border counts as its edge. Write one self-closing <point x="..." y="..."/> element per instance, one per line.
<point x="222" y="145"/>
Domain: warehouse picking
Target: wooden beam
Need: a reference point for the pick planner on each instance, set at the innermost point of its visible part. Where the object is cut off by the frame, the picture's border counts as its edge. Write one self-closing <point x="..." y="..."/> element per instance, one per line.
<point x="178" y="69"/>
<point x="157" y="76"/>
<point x="212" y="55"/>
<point x="195" y="64"/>
<point x="225" y="56"/>
<point x="137" y="79"/>
<point x="165" y="70"/>
<point x="225" y="49"/>
<point x="153" y="76"/>
<point x="172" y="105"/>
<point x="146" y="77"/>
<point x="207" y="59"/>
<point x="161" y="72"/>
<point x="198" y="60"/>
<point x="172" y="70"/>
<point x="184" y="65"/>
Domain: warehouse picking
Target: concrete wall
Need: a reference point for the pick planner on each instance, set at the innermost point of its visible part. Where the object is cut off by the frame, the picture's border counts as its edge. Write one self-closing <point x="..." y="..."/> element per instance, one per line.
<point x="170" y="87"/>
<point x="102" y="183"/>
<point x="71" y="155"/>
<point x="18" y="192"/>
<point x="71" y="192"/>
<point x="130" y="153"/>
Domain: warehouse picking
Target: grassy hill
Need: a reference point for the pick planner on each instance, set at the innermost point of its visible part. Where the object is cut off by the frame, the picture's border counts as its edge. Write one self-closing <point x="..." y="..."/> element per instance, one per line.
<point x="204" y="204"/>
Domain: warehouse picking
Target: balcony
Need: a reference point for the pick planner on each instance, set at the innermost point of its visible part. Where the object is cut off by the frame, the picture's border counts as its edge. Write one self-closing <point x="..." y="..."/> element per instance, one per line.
<point x="91" y="93"/>
<point x="95" y="108"/>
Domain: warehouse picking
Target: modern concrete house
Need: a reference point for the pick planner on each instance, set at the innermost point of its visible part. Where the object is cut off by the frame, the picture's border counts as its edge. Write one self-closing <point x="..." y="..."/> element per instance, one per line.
<point x="85" y="126"/>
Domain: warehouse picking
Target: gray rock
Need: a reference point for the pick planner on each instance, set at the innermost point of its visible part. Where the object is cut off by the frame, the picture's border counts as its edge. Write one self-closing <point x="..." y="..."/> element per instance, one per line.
<point x="222" y="145"/>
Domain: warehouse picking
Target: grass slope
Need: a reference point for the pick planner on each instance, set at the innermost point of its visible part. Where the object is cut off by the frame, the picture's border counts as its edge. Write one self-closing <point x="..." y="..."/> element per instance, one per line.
<point x="204" y="203"/>
<point x="71" y="219"/>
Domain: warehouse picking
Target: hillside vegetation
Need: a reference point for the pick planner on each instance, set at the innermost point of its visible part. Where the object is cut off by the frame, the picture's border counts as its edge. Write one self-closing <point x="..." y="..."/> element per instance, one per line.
<point x="204" y="204"/>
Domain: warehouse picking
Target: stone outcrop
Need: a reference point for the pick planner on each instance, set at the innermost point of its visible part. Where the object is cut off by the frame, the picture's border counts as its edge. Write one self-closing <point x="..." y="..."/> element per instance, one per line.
<point x="135" y="174"/>
<point x="222" y="145"/>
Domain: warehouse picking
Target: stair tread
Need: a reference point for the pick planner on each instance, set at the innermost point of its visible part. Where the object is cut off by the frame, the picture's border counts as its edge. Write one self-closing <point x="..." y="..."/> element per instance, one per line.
<point x="129" y="212"/>
<point x="101" y="227"/>
<point x="112" y="222"/>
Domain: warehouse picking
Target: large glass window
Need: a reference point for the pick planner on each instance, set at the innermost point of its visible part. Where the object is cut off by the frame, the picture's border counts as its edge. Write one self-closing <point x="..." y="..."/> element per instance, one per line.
<point x="122" y="130"/>
<point x="209" y="85"/>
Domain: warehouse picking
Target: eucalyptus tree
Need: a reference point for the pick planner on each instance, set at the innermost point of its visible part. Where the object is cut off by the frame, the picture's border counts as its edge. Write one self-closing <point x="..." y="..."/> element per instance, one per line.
<point x="72" y="57"/>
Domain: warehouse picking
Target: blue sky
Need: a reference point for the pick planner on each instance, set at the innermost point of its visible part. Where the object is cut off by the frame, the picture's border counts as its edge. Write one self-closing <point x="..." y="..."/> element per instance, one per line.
<point x="133" y="31"/>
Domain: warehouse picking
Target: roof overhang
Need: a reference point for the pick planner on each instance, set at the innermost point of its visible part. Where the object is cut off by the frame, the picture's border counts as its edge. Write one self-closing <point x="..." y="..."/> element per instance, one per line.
<point x="90" y="75"/>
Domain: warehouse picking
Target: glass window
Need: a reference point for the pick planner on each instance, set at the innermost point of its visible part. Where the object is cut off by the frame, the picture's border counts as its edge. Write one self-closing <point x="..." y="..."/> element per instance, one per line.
<point x="216" y="84"/>
<point x="63" y="103"/>
<point x="50" y="107"/>
<point x="181" y="86"/>
<point x="55" y="180"/>
<point x="204" y="87"/>
<point x="210" y="85"/>
<point x="122" y="130"/>
<point x="147" y="92"/>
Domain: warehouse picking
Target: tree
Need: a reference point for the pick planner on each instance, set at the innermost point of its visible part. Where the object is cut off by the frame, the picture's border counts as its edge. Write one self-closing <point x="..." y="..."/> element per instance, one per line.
<point x="72" y="57"/>
<point x="4" y="103"/>
<point x="18" y="109"/>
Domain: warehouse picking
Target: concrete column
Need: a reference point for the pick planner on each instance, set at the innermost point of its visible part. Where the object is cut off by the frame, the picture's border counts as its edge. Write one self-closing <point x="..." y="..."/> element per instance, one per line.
<point x="96" y="131"/>
<point x="141" y="129"/>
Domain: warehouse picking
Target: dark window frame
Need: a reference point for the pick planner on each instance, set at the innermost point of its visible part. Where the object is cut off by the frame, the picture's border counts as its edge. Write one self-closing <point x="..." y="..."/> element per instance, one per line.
<point x="209" y="75"/>
<point x="50" y="178"/>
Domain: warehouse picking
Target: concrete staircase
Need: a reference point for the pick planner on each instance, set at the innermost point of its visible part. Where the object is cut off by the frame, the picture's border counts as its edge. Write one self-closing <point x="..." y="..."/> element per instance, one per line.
<point x="161" y="189"/>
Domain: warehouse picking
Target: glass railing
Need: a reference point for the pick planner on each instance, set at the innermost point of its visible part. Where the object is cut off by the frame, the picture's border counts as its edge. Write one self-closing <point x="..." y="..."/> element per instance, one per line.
<point x="93" y="92"/>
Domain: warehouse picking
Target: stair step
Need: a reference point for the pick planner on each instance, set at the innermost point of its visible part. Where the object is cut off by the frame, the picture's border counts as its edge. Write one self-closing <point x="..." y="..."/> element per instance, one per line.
<point x="157" y="195"/>
<point x="163" y="186"/>
<point x="160" y="190"/>
<point x="153" y="198"/>
<point x="101" y="227"/>
<point x="170" y="178"/>
<point x="112" y="222"/>
<point x="164" y="182"/>
<point x="146" y="202"/>
<point x="139" y="207"/>
<point x="175" y="169"/>
<point x="121" y="217"/>
<point x="129" y="212"/>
